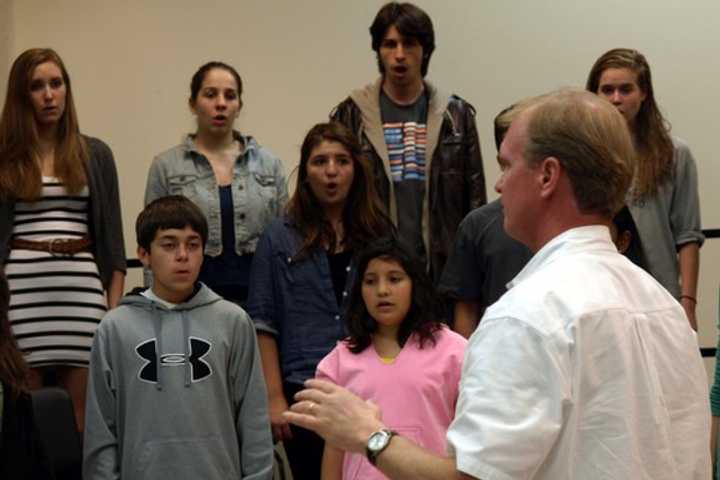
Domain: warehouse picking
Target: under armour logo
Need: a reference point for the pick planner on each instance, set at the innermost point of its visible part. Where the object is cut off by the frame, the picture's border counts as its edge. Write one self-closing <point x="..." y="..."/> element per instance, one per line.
<point x="199" y="368"/>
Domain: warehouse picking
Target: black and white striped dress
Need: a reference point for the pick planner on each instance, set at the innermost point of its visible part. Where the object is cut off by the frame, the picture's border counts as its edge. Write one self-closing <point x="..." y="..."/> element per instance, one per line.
<point x="56" y="302"/>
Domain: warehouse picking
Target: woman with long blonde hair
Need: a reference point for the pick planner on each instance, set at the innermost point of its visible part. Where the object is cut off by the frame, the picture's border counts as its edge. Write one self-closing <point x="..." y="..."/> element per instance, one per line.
<point x="61" y="241"/>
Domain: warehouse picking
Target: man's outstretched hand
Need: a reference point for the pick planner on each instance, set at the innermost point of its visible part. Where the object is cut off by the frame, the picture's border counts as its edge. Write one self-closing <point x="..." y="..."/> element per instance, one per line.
<point x="343" y="419"/>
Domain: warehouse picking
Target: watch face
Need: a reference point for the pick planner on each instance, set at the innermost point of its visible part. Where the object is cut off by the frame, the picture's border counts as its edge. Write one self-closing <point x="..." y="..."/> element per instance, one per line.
<point x="377" y="440"/>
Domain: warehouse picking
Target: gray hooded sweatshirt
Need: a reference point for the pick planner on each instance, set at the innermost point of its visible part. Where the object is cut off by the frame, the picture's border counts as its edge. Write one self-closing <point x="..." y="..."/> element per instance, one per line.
<point x="176" y="393"/>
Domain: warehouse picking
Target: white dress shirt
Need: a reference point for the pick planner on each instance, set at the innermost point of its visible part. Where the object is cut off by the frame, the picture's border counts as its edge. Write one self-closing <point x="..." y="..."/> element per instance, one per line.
<point x="586" y="368"/>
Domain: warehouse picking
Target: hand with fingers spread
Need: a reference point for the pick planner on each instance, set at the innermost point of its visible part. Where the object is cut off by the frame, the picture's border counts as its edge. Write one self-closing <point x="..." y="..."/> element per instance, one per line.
<point x="341" y="418"/>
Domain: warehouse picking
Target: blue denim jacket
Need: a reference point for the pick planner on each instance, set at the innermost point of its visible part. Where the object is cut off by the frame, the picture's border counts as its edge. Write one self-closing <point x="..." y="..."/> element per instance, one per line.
<point x="295" y="301"/>
<point x="259" y="189"/>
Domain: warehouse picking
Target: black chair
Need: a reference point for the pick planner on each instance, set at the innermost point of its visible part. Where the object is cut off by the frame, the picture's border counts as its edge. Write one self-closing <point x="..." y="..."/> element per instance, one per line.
<point x="55" y="421"/>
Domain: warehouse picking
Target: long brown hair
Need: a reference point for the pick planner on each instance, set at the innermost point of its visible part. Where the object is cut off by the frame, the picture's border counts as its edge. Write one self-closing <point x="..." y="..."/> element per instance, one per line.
<point x="13" y="369"/>
<point x="364" y="217"/>
<point x="652" y="139"/>
<point x="20" y="174"/>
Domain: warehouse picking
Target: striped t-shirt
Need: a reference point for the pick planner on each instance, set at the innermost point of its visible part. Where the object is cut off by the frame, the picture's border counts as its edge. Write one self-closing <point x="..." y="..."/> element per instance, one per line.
<point x="405" y="132"/>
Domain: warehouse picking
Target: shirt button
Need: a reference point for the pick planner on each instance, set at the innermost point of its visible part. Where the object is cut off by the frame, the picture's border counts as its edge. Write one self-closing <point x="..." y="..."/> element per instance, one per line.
<point x="289" y="259"/>
<point x="337" y="317"/>
<point x="347" y="269"/>
<point x="240" y="187"/>
<point x="242" y="216"/>
<point x="344" y="294"/>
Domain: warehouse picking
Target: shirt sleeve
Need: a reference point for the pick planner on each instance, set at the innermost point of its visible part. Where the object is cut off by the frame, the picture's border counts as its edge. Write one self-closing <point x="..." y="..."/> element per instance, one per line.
<point x="462" y="276"/>
<point x="253" y="421"/>
<point x="262" y="295"/>
<point x="328" y="367"/>
<point x="342" y="114"/>
<point x="685" y="205"/>
<point x="514" y="387"/>
<point x="715" y="389"/>
<point x="456" y="373"/>
<point x="474" y="174"/>
<point x="156" y="186"/>
<point x="112" y="207"/>
<point x="100" y="456"/>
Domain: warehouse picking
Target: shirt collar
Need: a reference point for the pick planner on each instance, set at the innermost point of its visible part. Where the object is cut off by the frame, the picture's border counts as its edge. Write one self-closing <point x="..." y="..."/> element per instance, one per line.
<point x="587" y="238"/>
<point x="247" y="142"/>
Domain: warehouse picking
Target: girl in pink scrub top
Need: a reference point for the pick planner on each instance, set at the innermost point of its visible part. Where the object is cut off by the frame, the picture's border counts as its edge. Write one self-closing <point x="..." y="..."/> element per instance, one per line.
<point x="397" y="354"/>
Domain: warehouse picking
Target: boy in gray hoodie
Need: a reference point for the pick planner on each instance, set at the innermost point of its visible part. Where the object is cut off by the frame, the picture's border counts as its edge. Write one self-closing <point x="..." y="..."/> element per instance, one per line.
<point x="176" y="388"/>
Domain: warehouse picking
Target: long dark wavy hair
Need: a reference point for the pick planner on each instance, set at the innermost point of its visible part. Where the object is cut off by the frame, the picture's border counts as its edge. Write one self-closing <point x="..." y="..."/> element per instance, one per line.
<point x="364" y="216"/>
<point x="426" y="307"/>
<point x="13" y="369"/>
<point x="652" y="138"/>
<point x="20" y="175"/>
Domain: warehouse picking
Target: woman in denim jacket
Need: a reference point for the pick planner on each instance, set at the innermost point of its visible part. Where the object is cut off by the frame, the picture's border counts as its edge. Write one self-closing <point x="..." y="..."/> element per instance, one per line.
<point x="302" y="270"/>
<point x="239" y="185"/>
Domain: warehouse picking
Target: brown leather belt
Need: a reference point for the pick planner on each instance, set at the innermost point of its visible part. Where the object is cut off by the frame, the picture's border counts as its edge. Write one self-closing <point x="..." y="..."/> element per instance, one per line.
<point x="56" y="246"/>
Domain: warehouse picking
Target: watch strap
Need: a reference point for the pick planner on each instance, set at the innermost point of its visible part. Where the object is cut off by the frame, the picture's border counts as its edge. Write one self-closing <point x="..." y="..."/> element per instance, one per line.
<point x="373" y="454"/>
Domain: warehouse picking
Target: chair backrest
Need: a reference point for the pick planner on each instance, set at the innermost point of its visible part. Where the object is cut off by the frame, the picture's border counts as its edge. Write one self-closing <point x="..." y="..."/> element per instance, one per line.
<point x="55" y="421"/>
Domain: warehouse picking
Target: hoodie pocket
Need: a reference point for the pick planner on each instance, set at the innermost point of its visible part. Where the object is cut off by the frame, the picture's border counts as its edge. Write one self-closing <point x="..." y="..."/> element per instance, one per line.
<point x="203" y="457"/>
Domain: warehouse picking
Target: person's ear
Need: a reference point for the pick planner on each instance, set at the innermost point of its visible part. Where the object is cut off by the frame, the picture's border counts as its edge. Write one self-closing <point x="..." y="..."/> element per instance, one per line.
<point x="549" y="172"/>
<point x="144" y="257"/>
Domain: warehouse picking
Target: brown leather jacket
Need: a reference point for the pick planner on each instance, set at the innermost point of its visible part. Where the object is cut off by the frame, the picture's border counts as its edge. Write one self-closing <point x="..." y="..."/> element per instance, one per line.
<point x="456" y="182"/>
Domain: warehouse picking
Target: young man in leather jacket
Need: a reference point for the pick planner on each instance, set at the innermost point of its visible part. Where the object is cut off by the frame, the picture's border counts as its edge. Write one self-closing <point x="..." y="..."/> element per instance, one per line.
<point x="422" y="143"/>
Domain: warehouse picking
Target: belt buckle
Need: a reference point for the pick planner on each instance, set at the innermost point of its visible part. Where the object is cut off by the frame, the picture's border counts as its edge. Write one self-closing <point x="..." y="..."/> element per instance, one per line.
<point x="53" y="242"/>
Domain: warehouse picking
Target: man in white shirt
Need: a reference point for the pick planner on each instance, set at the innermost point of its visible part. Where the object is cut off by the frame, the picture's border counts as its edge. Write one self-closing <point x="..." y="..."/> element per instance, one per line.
<point x="586" y="368"/>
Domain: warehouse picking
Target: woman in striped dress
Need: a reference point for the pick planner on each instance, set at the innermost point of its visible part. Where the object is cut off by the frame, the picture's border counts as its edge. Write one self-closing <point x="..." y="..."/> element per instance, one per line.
<point x="61" y="242"/>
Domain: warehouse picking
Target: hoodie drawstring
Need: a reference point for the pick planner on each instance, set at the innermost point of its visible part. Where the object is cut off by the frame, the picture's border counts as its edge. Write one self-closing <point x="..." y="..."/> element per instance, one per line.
<point x="157" y="325"/>
<point x="186" y="353"/>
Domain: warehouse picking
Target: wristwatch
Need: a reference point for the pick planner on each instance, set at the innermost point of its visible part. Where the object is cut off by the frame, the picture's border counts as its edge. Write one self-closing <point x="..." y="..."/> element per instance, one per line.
<point x="378" y="442"/>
